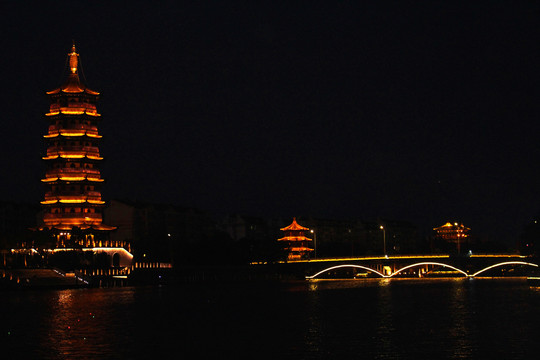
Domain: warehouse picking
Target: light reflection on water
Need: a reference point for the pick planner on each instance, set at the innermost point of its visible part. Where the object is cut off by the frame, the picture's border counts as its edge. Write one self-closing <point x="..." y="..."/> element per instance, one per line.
<point x="368" y="318"/>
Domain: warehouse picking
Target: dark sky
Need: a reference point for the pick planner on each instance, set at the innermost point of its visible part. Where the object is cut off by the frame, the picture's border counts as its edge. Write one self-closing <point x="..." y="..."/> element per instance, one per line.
<point x="424" y="111"/>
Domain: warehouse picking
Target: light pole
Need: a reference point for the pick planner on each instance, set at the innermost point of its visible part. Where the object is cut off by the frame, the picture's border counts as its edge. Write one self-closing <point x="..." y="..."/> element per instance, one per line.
<point x="384" y="238"/>
<point x="314" y="242"/>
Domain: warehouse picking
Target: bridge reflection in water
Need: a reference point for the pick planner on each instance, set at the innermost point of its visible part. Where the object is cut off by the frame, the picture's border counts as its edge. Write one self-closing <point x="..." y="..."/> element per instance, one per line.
<point x="420" y="266"/>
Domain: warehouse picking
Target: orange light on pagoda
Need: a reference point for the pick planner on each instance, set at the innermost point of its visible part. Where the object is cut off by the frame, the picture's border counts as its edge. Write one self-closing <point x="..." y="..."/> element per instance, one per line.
<point x="47" y="202"/>
<point x="73" y="60"/>
<point x="72" y="156"/>
<point x="72" y="199"/>
<point x="95" y="201"/>
<point x="72" y="178"/>
<point x="89" y="134"/>
<point x="72" y="112"/>
<point x="454" y="233"/>
<point x="50" y="157"/>
<point x="72" y="132"/>
<point x="49" y="179"/>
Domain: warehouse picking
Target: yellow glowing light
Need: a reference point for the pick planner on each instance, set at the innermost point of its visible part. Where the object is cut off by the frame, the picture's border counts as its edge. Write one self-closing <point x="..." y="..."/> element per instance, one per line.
<point x="72" y="132"/>
<point x="50" y="157"/>
<point x="94" y="157"/>
<point x="111" y="250"/>
<point x="421" y="264"/>
<point x="52" y="113"/>
<point x="502" y="264"/>
<point x="342" y="266"/>
<point x="72" y="112"/>
<point x="46" y="202"/>
<point x="49" y="179"/>
<point x="50" y="135"/>
<point x="94" y="179"/>
<point x="72" y="201"/>
<point x="429" y="263"/>
<point x="96" y="202"/>
<point x="499" y="255"/>
<point x="94" y="135"/>
<point x="72" y="178"/>
<point x="71" y="156"/>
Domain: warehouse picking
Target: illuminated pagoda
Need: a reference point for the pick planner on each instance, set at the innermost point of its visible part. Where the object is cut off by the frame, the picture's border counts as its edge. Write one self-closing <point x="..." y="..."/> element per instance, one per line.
<point x="453" y="233"/>
<point x="73" y="203"/>
<point x="297" y="243"/>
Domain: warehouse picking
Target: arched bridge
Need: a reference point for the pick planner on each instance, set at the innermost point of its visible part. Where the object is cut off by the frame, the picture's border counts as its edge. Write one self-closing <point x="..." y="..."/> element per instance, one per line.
<point x="420" y="266"/>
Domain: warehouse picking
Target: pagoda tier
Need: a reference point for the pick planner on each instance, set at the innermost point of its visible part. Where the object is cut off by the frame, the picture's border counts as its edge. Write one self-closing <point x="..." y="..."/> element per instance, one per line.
<point x="297" y="244"/>
<point x="453" y="233"/>
<point x="73" y="178"/>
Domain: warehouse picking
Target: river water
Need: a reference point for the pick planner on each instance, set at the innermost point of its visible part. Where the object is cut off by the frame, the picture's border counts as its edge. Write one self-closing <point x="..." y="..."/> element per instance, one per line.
<point x="360" y="319"/>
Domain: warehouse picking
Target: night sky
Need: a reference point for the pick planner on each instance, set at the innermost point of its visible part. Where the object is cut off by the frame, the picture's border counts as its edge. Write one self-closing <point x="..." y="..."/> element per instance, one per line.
<point x="425" y="111"/>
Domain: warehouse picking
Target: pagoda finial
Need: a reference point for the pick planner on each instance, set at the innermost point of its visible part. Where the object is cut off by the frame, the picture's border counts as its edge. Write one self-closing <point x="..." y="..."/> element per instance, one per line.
<point x="73" y="59"/>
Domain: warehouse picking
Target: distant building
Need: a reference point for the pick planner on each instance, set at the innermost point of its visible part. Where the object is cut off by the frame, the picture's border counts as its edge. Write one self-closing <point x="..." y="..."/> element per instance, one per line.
<point x="454" y="233"/>
<point x="159" y="232"/>
<point x="240" y="227"/>
<point x="297" y="244"/>
<point x="356" y="237"/>
<point x="72" y="207"/>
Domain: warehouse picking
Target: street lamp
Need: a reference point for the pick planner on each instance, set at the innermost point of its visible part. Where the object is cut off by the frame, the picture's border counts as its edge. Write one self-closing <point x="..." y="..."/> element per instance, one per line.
<point x="314" y="242"/>
<point x="384" y="239"/>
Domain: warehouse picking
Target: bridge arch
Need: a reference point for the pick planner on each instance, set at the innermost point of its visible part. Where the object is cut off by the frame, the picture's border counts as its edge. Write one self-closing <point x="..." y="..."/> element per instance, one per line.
<point x="343" y="266"/>
<point x="428" y="263"/>
<point x="502" y="264"/>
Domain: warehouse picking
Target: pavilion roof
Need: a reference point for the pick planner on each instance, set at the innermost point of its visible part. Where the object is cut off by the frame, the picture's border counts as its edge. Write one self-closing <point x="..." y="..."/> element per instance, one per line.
<point x="454" y="226"/>
<point x="294" y="226"/>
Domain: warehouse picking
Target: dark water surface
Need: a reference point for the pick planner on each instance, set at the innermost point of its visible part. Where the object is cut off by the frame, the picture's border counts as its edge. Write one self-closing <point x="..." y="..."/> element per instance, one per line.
<point x="360" y="319"/>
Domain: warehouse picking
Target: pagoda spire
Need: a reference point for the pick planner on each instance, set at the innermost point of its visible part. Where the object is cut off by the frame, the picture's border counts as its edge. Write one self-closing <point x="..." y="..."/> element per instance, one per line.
<point x="73" y="84"/>
<point x="73" y="59"/>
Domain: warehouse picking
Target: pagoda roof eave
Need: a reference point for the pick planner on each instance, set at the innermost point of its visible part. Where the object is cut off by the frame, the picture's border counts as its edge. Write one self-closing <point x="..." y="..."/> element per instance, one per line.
<point x="295" y="238"/>
<point x="102" y="227"/>
<point x="73" y="85"/>
<point x="71" y="90"/>
<point x="294" y="226"/>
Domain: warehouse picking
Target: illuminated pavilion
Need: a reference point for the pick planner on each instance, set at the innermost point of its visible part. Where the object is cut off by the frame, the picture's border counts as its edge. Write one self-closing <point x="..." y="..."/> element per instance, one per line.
<point x="73" y="203"/>
<point x="297" y="244"/>
<point x="454" y="233"/>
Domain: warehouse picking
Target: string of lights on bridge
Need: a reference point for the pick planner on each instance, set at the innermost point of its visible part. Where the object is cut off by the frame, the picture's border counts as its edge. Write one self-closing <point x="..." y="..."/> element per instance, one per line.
<point x="422" y="264"/>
